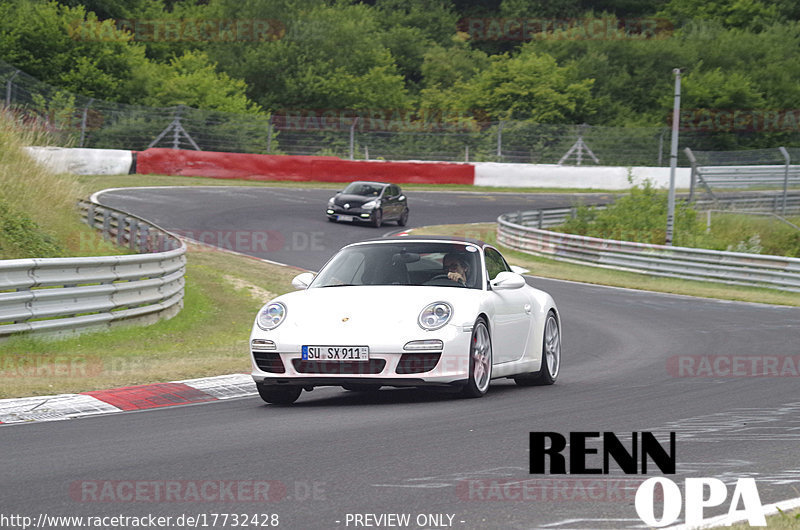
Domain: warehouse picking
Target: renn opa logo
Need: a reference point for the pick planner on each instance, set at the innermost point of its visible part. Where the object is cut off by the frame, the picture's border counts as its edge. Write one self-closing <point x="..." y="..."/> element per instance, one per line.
<point x="584" y="458"/>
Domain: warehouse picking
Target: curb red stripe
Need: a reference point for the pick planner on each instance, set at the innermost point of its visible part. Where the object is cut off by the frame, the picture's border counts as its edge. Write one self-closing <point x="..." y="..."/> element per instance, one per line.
<point x="250" y="166"/>
<point x="151" y="396"/>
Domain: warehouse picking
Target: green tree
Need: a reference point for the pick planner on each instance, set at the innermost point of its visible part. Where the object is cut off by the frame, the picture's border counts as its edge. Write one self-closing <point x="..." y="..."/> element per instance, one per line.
<point x="70" y="48"/>
<point x="528" y="86"/>
<point x="193" y="80"/>
<point x="330" y="57"/>
<point x="750" y="14"/>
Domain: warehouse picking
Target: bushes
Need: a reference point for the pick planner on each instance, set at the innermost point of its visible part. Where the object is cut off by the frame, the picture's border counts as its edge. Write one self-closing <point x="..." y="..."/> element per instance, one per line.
<point x="639" y="216"/>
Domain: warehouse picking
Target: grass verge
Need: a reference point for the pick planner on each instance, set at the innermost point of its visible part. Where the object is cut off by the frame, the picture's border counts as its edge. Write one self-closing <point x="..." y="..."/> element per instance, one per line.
<point x="38" y="217"/>
<point x="782" y="521"/>
<point x="208" y="337"/>
<point x="549" y="268"/>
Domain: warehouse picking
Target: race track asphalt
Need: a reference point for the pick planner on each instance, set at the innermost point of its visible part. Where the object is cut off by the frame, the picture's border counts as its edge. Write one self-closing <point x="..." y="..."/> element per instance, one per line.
<point x="406" y="451"/>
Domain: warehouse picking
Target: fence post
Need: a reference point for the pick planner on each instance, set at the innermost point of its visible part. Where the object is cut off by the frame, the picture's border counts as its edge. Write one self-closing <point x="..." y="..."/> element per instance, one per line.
<point x="500" y="141"/>
<point x="541" y="219"/>
<point x="269" y="134"/>
<point x="83" y="120"/>
<point x="8" y="87"/>
<point x="693" y="176"/>
<point x="353" y="136"/>
<point x="661" y="145"/>
<point x="788" y="159"/>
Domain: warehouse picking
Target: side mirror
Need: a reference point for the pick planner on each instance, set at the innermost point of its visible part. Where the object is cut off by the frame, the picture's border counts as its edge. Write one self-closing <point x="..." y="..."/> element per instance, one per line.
<point x="508" y="280"/>
<point x="302" y="281"/>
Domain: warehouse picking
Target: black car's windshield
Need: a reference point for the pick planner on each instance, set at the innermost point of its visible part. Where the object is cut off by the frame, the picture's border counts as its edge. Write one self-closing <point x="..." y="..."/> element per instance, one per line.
<point x="363" y="188"/>
<point x="422" y="263"/>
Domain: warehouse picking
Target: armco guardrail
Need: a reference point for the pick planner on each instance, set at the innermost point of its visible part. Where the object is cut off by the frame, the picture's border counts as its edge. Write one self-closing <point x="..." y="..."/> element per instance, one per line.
<point x="70" y="294"/>
<point x="677" y="262"/>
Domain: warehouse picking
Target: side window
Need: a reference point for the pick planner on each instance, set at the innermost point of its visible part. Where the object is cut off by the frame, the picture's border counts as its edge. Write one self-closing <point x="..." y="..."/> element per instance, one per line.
<point x="495" y="264"/>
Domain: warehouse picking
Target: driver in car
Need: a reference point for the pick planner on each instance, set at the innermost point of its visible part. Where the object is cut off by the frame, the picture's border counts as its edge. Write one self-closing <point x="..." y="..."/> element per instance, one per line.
<point x="457" y="268"/>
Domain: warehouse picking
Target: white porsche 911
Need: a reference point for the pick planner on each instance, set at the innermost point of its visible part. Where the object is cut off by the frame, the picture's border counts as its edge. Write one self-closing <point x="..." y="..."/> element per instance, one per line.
<point x="407" y="311"/>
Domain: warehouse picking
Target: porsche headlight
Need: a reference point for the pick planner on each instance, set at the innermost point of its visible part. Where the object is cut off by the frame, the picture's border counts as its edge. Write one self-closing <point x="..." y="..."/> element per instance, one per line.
<point x="271" y="316"/>
<point x="371" y="205"/>
<point x="435" y="315"/>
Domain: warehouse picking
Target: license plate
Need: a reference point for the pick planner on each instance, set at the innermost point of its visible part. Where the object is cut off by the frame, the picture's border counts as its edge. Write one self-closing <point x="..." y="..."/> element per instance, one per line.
<point x="336" y="353"/>
<point x="344" y="217"/>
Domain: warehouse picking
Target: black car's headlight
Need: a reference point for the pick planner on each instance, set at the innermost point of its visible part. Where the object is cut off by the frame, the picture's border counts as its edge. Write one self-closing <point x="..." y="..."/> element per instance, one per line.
<point x="371" y="205"/>
<point x="434" y="316"/>
<point x="271" y="316"/>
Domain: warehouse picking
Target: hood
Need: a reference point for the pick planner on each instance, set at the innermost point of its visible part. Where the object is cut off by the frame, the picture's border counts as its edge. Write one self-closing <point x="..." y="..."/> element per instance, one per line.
<point x="349" y="309"/>
<point x="354" y="200"/>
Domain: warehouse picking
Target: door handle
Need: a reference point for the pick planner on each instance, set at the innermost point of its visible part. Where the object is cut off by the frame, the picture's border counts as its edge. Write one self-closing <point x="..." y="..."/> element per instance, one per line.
<point x="528" y="309"/>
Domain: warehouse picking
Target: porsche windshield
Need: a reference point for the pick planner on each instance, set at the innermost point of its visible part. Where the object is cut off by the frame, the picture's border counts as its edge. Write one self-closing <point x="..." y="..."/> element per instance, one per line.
<point x="423" y="263"/>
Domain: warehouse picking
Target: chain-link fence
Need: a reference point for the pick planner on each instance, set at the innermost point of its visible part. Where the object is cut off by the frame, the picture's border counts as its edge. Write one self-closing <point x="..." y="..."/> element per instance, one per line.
<point x="79" y="121"/>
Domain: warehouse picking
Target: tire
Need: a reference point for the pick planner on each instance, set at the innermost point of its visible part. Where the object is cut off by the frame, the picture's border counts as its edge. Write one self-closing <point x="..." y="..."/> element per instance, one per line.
<point x="480" y="361"/>
<point x="279" y="395"/>
<point x="403" y="220"/>
<point x="377" y="220"/>
<point x="551" y="356"/>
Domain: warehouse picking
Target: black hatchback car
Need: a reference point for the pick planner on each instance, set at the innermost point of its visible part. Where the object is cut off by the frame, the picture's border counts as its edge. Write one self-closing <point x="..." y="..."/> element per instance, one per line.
<point x="369" y="202"/>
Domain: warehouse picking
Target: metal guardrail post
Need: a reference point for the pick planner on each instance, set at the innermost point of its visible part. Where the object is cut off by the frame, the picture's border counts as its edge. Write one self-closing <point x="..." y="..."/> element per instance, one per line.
<point x="133" y="229"/>
<point x="541" y="217"/>
<point x="120" y="228"/>
<point x="90" y="215"/>
<point x="788" y="159"/>
<point x="106" y="224"/>
<point x="144" y="239"/>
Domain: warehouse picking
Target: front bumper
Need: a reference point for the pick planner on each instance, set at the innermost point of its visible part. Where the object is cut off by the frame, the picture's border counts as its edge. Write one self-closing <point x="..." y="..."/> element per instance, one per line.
<point x="357" y="214"/>
<point x="389" y="364"/>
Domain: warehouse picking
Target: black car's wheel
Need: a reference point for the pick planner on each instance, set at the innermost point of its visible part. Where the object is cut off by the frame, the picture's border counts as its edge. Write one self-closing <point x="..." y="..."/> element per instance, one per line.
<point x="480" y="361"/>
<point x="551" y="356"/>
<point x="377" y="218"/>
<point x="403" y="218"/>
<point x="279" y="395"/>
